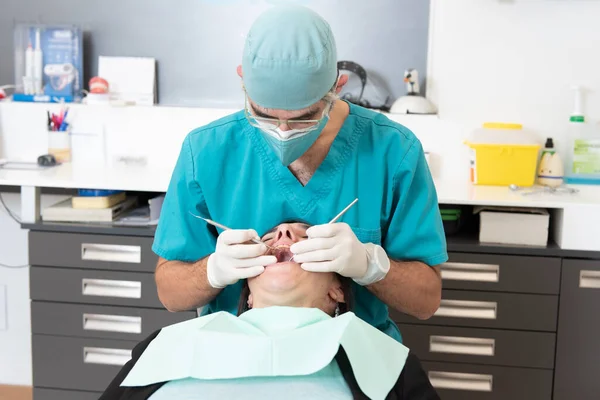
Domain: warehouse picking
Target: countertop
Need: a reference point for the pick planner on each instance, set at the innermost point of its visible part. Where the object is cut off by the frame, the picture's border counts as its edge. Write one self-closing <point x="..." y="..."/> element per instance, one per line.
<point x="71" y="176"/>
<point x="145" y="179"/>
<point x="468" y="194"/>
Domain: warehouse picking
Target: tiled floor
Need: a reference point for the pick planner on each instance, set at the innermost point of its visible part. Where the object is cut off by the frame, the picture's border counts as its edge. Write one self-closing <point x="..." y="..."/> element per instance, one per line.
<point x="15" y="393"/>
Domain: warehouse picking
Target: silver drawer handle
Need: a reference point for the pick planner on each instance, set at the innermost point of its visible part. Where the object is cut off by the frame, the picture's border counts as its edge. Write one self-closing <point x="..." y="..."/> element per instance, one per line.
<point x="98" y="355"/>
<point x="111" y="252"/>
<point x="589" y="279"/>
<point x="109" y="288"/>
<point x="453" y="271"/>
<point x="112" y="323"/>
<point x="467" y="309"/>
<point x="462" y="345"/>
<point x="458" y="381"/>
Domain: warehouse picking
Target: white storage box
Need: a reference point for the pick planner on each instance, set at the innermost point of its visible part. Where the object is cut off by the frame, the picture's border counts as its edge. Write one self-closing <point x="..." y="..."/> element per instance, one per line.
<point x="520" y="226"/>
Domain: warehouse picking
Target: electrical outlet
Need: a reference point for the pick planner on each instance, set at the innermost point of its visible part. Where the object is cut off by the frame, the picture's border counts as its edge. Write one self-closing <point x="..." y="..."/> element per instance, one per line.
<point x="128" y="160"/>
<point x="3" y="308"/>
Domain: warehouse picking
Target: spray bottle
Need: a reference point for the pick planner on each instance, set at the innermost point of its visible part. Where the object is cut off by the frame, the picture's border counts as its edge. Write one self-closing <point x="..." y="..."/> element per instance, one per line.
<point x="583" y="162"/>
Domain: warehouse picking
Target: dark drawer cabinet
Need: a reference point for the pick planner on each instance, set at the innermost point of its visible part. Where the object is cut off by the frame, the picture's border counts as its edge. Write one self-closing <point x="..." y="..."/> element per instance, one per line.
<point x="483" y="382"/>
<point x="494" y="334"/>
<point x="87" y="286"/>
<point x="492" y="310"/>
<point x="104" y="322"/>
<point x="109" y="252"/>
<point x="93" y="298"/>
<point x="77" y="364"/>
<point x="480" y="346"/>
<point x="578" y="349"/>
<point x="500" y="273"/>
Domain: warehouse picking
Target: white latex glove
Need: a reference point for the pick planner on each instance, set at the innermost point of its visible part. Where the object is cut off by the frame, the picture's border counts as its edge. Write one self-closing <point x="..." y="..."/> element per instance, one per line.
<point x="335" y="248"/>
<point x="233" y="260"/>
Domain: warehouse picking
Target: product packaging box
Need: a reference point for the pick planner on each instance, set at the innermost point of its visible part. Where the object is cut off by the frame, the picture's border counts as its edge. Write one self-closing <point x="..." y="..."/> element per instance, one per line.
<point x="48" y="63"/>
<point x="514" y="225"/>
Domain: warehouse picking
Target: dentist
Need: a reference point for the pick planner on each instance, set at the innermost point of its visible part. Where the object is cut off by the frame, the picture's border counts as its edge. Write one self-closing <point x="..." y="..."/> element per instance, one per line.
<point x="298" y="152"/>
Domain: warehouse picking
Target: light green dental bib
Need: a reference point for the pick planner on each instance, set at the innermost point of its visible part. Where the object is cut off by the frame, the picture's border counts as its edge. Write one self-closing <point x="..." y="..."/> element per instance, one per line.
<point x="274" y="341"/>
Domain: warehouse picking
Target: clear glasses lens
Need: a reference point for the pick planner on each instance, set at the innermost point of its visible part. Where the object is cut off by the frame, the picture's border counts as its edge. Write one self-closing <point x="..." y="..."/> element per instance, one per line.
<point x="273" y="124"/>
<point x="302" y="124"/>
<point x="265" y="124"/>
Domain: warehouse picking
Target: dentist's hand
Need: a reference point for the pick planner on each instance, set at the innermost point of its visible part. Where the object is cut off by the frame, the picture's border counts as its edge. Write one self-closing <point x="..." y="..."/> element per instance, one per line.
<point x="233" y="260"/>
<point x="335" y="248"/>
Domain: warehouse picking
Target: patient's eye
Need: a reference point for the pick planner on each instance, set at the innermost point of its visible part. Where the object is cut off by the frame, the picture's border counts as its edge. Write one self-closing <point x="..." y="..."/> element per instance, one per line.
<point x="267" y="237"/>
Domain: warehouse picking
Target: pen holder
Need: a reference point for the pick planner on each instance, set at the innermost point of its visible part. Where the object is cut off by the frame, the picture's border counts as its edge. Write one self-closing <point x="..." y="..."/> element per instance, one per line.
<point x="59" y="145"/>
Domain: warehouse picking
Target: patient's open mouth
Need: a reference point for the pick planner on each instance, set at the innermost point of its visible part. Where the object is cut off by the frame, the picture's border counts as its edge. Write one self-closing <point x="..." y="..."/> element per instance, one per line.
<point x="282" y="253"/>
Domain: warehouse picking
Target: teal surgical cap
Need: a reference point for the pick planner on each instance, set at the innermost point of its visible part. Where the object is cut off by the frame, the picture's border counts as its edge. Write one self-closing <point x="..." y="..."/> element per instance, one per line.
<point x="290" y="58"/>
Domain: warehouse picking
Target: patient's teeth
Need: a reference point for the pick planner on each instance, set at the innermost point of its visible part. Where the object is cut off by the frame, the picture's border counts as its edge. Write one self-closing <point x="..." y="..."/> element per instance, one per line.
<point x="283" y="254"/>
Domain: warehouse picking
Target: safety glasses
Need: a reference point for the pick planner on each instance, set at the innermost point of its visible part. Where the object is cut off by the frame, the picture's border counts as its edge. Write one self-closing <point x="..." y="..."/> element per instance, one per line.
<point x="293" y="124"/>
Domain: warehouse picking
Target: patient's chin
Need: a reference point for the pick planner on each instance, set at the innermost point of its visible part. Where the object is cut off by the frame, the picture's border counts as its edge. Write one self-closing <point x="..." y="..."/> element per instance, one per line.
<point x="279" y="277"/>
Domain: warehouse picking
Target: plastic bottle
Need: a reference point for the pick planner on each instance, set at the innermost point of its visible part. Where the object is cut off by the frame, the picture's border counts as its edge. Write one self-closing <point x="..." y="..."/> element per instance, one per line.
<point x="551" y="169"/>
<point x="583" y="161"/>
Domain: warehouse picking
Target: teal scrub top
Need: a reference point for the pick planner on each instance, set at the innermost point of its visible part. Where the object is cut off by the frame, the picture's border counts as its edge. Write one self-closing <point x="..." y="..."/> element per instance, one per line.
<point x="227" y="172"/>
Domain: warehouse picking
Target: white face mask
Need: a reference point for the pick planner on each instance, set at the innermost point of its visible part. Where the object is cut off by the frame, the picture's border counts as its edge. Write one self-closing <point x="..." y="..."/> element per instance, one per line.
<point x="276" y="132"/>
<point x="290" y="145"/>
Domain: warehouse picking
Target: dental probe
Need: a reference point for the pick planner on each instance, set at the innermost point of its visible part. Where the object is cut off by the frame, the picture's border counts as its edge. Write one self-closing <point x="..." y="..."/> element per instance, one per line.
<point x="218" y="225"/>
<point x="337" y="217"/>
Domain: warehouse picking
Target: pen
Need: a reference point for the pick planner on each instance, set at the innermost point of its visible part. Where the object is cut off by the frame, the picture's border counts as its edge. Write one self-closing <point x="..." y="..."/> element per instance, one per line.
<point x="64" y="124"/>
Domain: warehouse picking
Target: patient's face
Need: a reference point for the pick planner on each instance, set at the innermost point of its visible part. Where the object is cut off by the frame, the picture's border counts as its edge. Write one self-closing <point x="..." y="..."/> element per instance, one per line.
<point x="286" y="283"/>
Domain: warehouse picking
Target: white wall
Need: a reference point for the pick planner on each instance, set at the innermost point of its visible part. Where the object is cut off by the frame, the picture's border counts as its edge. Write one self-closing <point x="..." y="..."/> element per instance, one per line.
<point x="514" y="60"/>
<point x="15" y="338"/>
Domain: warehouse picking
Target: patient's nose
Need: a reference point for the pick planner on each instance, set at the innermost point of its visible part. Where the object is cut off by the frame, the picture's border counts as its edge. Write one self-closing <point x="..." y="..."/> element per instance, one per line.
<point x="285" y="231"/>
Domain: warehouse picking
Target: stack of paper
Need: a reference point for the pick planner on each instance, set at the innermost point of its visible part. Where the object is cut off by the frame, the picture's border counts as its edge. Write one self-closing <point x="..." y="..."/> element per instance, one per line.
<point x="98" y="201"/>
<point x="65" y="212"/>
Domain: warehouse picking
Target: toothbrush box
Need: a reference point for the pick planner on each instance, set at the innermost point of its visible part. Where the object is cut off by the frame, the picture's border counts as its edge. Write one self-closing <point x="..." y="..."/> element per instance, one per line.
<point x="61" y="62"/>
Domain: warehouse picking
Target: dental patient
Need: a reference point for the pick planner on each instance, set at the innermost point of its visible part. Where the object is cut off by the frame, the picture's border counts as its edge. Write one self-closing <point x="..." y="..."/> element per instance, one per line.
<point x="295" y="337"/>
